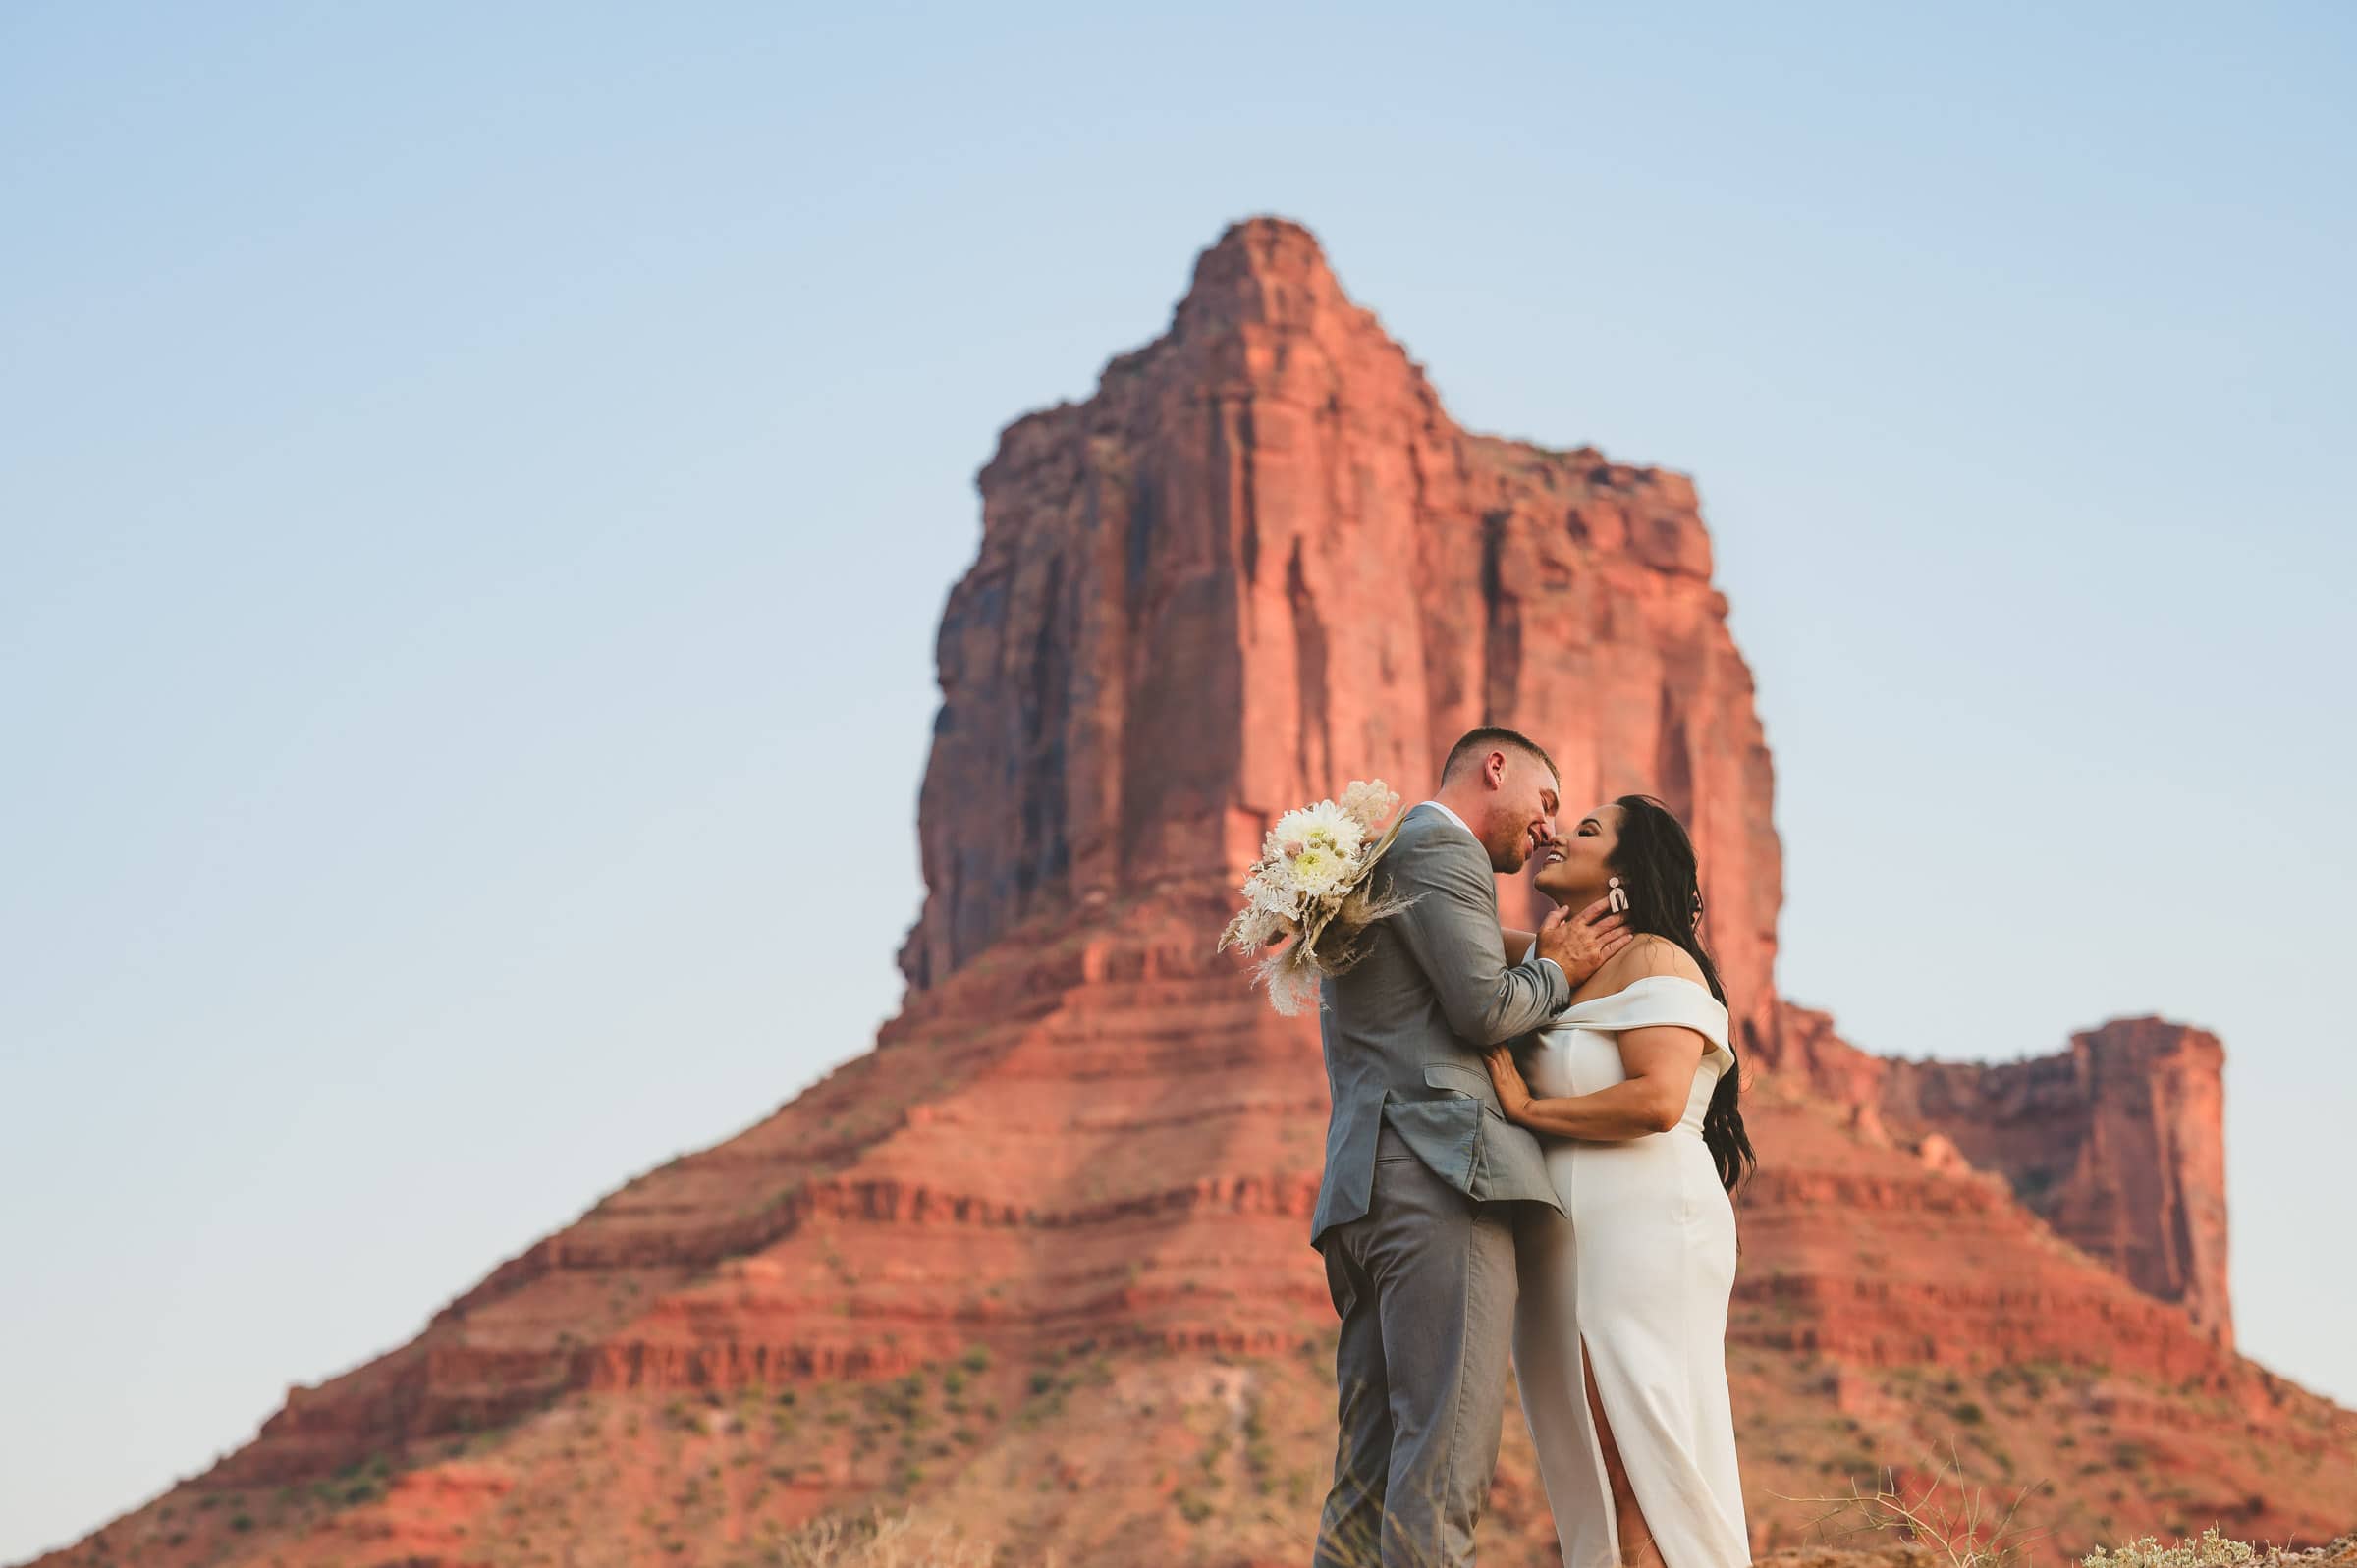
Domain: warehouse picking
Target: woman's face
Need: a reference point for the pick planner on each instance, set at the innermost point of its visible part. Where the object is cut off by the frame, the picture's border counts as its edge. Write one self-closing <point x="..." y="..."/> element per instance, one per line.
<point x="1573" y="870"/>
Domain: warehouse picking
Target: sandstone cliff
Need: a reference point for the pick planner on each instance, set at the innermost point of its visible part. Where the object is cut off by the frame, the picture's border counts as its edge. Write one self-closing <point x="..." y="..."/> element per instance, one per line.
<point x="2116" y="1143"/>
<point x="1263" y="560"/>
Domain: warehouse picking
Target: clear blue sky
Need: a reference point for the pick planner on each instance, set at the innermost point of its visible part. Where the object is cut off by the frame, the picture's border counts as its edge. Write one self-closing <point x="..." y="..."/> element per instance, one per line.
<point x="476" y="487"/>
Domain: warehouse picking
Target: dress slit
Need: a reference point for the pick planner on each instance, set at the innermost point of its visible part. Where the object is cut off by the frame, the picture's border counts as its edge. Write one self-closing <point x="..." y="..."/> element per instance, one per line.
<point x="1599" y="1433"/>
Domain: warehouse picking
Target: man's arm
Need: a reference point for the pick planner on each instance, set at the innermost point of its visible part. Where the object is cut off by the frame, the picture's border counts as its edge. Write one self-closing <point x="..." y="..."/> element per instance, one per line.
<point x="1451" y="931"/>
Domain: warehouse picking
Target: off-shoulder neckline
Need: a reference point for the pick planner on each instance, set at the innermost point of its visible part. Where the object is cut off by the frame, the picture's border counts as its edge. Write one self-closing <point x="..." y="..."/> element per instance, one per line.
<point x="1645" y="980"/>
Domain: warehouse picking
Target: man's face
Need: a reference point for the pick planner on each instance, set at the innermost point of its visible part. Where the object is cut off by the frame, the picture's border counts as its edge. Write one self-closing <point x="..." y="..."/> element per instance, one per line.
<point x="1523" y="819"/>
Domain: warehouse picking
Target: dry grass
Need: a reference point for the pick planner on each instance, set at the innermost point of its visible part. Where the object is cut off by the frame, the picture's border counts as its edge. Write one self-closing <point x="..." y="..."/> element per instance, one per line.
<point x="1951" y="1524"/>
<point x="880" y="1540"/>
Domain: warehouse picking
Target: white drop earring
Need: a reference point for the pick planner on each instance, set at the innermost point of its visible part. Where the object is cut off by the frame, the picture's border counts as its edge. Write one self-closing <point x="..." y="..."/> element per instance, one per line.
<point x="1616" y="897"/>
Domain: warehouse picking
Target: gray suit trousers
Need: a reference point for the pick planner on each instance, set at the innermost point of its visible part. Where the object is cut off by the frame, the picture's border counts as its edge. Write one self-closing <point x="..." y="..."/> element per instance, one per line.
<point x="1425" y="1285"/>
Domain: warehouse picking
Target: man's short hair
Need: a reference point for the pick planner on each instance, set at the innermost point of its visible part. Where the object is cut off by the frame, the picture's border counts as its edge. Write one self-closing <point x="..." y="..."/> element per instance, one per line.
<point x="1481" y="742"/>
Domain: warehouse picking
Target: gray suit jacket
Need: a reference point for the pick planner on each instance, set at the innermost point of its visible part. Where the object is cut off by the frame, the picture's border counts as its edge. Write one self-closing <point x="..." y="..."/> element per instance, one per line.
<point x="1405" y="1030"/>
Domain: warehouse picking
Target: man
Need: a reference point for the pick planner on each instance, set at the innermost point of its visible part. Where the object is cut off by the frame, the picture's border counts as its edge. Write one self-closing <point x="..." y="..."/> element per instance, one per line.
<point x="1414" y="1215"/>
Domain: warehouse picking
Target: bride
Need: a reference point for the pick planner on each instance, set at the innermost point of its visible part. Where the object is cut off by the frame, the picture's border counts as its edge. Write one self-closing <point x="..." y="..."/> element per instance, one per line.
<point x="1620" y="1333"/>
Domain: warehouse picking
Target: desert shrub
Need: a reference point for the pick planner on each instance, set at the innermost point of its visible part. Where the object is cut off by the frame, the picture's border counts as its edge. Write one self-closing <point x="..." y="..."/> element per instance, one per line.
<point x="2209" y="1549"/>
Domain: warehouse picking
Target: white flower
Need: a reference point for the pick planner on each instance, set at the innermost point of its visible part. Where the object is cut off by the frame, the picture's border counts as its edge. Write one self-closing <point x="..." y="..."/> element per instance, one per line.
<point x="1319" y="871"/>
<point x="1324" y="825"/>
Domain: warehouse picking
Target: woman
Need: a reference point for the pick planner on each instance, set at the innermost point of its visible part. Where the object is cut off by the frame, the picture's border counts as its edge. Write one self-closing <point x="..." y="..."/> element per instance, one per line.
<point x="1620" y="1333"/>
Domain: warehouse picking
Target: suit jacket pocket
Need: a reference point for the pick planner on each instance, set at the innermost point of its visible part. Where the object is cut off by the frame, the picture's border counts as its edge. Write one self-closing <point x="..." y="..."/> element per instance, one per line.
<point x="1471" y="1082"/>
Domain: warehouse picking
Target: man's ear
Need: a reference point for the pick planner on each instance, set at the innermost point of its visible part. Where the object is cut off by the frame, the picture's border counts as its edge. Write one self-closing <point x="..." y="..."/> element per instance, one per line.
<point x="1493" y="770"/>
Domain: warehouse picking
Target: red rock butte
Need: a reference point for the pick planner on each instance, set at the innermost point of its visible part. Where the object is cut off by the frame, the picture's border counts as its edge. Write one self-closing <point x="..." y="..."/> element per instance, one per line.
<point x="1036" y="1267"/>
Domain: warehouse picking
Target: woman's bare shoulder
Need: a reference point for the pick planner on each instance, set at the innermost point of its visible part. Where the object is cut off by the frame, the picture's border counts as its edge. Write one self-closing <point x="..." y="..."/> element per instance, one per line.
<point x="1647" y="957"/>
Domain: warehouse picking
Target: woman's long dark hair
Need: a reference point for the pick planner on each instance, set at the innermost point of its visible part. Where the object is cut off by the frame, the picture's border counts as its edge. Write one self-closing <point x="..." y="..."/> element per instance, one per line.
<point x="1655" y="861"/>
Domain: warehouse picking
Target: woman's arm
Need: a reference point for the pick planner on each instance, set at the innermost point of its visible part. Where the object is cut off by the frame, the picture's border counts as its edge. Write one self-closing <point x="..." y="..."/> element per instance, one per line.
<point x="1660" y="1063"/>
<point x="1515" y="943"/>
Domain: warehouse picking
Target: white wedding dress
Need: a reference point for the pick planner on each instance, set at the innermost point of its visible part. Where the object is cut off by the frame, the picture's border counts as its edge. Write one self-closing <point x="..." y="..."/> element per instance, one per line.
<point x="1641" y="1271"/>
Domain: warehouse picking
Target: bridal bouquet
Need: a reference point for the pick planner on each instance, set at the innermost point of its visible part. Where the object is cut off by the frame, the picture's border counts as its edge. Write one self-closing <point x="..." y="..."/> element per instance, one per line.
<point x="1314" y="884"/>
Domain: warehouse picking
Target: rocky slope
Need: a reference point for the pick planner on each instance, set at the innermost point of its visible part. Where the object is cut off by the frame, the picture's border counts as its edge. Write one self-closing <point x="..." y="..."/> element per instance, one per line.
<point x="1036" y="1265"/>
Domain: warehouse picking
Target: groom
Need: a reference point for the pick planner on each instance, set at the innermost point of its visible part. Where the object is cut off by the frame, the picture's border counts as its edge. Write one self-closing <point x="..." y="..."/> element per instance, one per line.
<point x="1413" y="1215"/>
